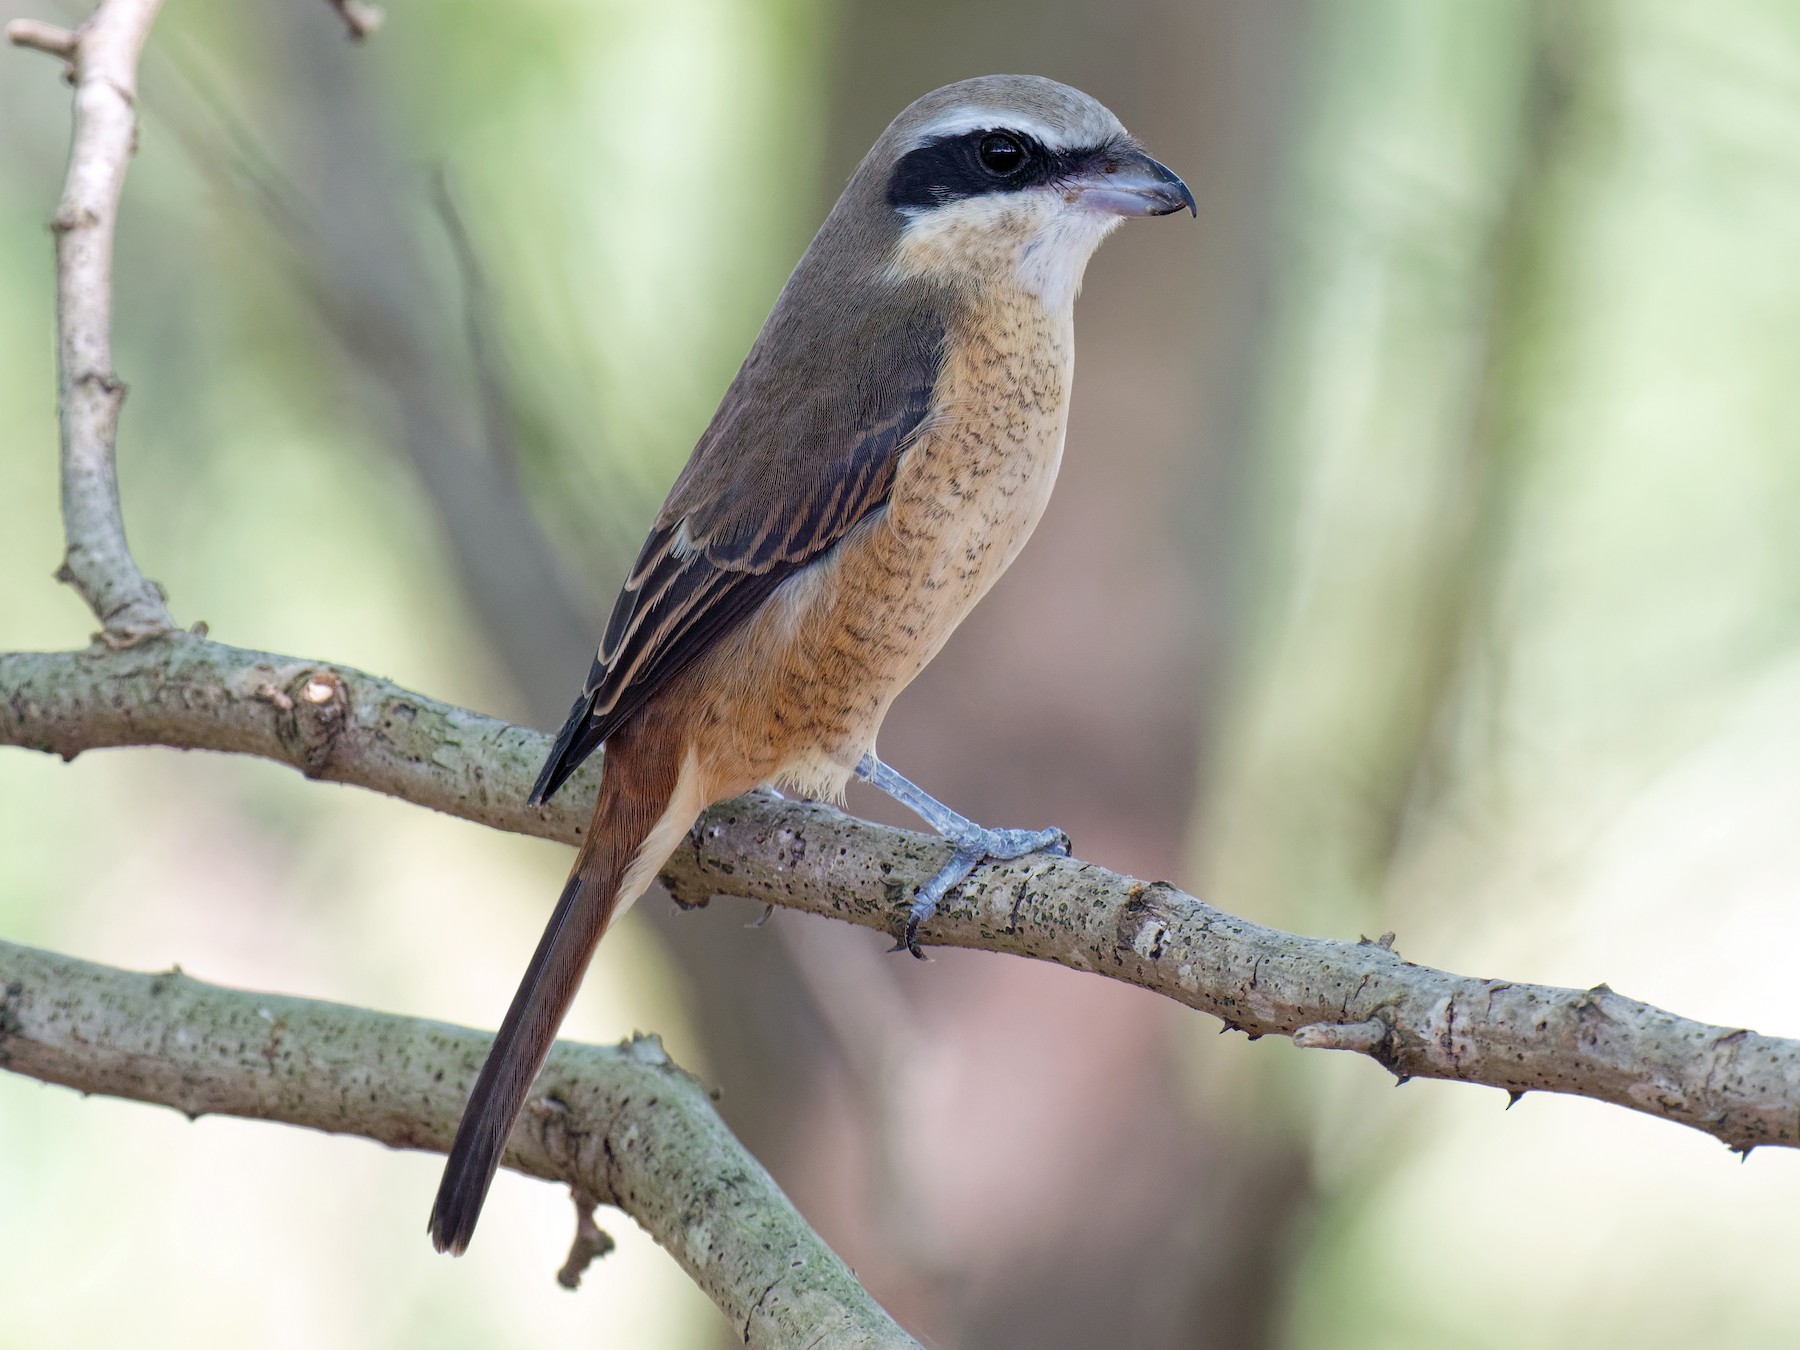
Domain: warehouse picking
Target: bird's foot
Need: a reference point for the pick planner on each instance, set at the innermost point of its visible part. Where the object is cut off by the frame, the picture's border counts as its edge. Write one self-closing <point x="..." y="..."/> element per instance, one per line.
<point x="974" y="846"/>
<point x="1005" y="845"/>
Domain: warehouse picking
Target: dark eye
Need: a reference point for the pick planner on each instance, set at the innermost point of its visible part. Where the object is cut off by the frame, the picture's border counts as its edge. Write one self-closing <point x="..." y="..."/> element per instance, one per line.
<point x="1001" y="154"/>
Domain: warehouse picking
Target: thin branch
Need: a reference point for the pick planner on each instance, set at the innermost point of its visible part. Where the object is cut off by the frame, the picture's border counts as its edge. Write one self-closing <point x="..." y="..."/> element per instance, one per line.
<point x="591" y="1243"/>
<point x="335" y="723"/>
<point x="38" y="36"/>
<point x="480" y="332"/>
<point x="104" y="56"/>
<point x="620" y="1125"/>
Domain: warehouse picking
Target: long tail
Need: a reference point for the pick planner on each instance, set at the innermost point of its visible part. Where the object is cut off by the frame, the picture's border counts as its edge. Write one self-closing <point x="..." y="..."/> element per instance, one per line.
<point x="647" y="802"/>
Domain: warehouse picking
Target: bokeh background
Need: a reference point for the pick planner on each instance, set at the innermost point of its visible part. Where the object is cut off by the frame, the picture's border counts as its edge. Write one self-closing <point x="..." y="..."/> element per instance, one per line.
<point x="1426" y="560"/>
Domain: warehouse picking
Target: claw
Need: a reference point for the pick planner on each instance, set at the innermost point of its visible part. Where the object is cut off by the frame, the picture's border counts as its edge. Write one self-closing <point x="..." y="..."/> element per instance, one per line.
<point x="909" y="941"/>
<point x="974" y="845"/>
<point x="951" y="875"/>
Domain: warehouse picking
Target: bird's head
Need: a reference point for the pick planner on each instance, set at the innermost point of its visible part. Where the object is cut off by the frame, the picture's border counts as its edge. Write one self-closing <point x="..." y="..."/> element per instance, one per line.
<point x="1007" y="181"/>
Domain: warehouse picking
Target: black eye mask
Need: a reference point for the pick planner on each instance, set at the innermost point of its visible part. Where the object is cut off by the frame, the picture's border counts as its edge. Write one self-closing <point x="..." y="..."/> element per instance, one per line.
<point x="981" y="163"/>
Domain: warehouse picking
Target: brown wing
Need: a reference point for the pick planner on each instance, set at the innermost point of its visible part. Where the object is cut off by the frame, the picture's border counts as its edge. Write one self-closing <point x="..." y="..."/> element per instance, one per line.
<point x="803" y="447"/>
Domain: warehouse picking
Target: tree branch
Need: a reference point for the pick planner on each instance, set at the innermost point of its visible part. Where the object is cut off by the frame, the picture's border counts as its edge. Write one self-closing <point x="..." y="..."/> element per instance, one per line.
<point x="339" y="724"/>
<point x="620" y="1125"/>
<point x="624" y="1125"/>
<point x="103" y="54"/>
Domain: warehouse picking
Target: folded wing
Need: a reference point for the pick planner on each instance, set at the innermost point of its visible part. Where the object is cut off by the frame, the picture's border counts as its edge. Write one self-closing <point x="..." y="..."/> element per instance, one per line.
<point x="802" y="448"/>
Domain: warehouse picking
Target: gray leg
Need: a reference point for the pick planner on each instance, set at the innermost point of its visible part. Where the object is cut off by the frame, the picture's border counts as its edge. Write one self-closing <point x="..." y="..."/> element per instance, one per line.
<point x="974" y="844"/>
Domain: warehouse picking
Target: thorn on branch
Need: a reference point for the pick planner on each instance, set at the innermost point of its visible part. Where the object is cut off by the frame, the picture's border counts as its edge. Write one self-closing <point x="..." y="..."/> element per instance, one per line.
<point x="1513" y="1096"/>
<point x="160" y="982"/>
<point x="1590" y="1000"/>
<point x="591" y="1242"/>
<point x="646" y="1047"/>
<point x="47" y="38"/>
<point x="360" y="20"/>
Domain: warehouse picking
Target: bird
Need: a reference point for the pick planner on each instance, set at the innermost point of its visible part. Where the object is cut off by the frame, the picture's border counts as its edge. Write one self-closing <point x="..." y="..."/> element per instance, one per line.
<point x="877" y="462"/>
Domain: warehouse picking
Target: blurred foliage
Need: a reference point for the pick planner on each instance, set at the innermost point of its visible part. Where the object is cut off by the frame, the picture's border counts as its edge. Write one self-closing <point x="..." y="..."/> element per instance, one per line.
<point x="1522" y="680"/>
<point x="260" y="490"/>
<point x="1515" y="668"/>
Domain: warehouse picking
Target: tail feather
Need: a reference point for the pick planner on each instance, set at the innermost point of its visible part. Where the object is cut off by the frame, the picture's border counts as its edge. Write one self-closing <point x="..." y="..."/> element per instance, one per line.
<point x="631" y="818"/>
<point x="574" y="743"/>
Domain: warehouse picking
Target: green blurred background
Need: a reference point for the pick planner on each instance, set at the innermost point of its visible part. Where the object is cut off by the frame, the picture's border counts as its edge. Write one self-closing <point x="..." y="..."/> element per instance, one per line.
<point x="1426" y="559"/>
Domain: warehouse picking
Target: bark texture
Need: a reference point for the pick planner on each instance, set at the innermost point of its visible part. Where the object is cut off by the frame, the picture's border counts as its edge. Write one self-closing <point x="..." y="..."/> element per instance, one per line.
<point x="338" y="724"/>
<point x="620" y="1125"/>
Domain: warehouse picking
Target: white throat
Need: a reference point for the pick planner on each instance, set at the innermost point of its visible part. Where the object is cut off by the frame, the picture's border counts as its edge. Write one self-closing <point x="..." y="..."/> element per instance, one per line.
<point x="1037" y="241"/>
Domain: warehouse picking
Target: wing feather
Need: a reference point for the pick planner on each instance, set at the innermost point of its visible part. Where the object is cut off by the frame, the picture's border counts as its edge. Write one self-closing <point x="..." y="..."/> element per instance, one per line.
<point x="786" y="469"/>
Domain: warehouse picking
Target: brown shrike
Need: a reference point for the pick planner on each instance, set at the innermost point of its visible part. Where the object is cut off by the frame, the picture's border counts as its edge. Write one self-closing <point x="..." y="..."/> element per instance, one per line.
<point x="879" y="460"/>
